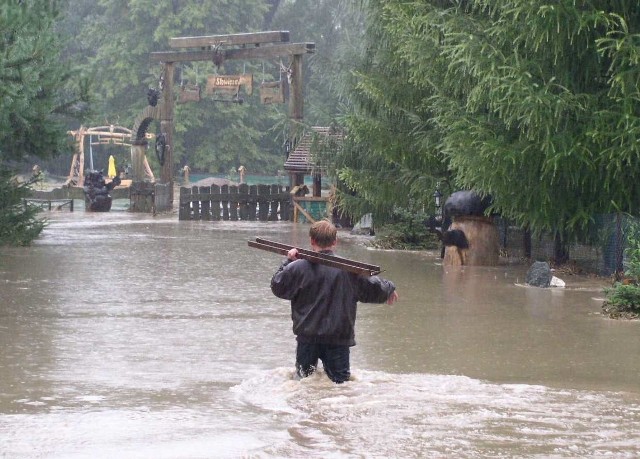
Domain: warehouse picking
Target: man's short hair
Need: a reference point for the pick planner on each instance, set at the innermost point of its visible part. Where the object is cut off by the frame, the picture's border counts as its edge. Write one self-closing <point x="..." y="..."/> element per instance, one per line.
<point x="323" y="233"/>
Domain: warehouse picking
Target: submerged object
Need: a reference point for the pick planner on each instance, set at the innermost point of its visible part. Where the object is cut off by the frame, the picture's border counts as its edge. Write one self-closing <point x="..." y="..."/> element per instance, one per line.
<point x="472" y="238"/>
<point x="97" y="193"/>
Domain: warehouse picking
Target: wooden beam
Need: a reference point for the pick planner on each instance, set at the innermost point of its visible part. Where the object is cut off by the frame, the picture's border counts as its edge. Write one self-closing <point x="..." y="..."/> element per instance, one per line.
<point x="304" y="212"/>
<point x="345" y="264"/>
<point x="262" y="52"/>
<point x="296" y="95"/>
<point x="238" y="39"/>
<point x="167" y="126"/>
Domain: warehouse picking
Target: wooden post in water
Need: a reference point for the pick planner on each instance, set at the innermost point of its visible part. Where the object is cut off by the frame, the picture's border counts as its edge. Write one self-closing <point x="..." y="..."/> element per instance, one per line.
<point x="166" y="127"/>
<point x="205" y="193"/>
<point x="224" y="191"/>
<point x="215" y="202"/>
<point x="252" y="204"/>
<point x="142" y="197"/>
<point x="195" y="205"/>
<point x="264" y="192"/>
<point x="273" y="203"/>
<point x="138" y="152"/>
<point x="184" y="213"/>
<point x="233" y="203"/>
<point x="243" y="205"/>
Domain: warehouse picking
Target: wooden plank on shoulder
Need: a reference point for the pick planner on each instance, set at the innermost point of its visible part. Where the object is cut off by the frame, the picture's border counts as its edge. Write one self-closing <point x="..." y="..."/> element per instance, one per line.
<point x="345" y="264"/>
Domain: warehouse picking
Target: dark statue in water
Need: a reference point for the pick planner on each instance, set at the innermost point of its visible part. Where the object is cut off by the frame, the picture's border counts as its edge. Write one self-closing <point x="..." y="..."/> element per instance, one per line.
<point x="472" y="239"/>
<point x="97" y="193"/>
<point x="468" y="236"/>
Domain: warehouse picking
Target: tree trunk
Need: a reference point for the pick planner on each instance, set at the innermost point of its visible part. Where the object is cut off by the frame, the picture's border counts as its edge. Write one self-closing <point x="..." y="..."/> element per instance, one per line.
<point x="526" y="241"/>
<point x="560" y="249"/>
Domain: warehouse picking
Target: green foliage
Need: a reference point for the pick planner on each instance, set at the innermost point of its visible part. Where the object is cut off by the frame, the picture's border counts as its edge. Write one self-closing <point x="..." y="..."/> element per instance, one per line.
<point x="18" y="224"/>
<point x="36" y="97"/>
<point x="535" y="103"/>
<point x="623" y="299"/>
<point x="633" y="252"/>
<point x="388" y="160"/>
<point x="31" y="76"/>
<point x="407" y="231"/>
<point x="112" y="41"/>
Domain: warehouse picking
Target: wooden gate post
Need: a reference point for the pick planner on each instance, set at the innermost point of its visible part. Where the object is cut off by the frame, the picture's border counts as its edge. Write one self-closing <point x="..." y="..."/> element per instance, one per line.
<point x="296" y="99"/>
<point x="138" y="151"/>
<point x="228" y="47"/>
<point x="166" y="127"/>
<point x="185" y="204"/>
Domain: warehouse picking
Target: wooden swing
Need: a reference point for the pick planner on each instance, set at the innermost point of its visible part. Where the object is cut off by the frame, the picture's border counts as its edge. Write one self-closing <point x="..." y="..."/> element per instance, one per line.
<point x="272" y="92"/>
<point x="189" y="93"/>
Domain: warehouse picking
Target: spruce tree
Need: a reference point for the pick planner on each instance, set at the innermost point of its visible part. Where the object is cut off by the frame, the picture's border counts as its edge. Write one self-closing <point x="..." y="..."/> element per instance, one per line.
<point x="535" y="103"/>
<point x="31" y="77"/>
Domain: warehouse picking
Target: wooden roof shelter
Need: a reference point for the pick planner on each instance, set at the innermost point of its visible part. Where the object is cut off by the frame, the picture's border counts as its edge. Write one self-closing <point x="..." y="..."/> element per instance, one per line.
<point x="302" y="160"/>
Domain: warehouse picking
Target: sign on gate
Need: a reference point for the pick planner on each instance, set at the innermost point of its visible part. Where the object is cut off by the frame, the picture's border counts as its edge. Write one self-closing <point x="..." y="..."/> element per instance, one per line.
<point x="229" y="83"/>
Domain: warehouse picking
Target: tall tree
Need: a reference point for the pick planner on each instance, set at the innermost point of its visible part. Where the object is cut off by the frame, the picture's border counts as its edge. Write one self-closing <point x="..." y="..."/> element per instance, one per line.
<point x="389" y="160"/>
<point x="336" y="28"/>
<point x="535" y="103"/>
<point x="32" y="104"/>
<point x="31" y="77"/>
<point x="346" y="71"/>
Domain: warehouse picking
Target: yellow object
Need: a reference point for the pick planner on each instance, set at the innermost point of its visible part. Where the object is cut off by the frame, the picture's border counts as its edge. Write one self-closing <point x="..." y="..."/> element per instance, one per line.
<point x="112" y="167"/>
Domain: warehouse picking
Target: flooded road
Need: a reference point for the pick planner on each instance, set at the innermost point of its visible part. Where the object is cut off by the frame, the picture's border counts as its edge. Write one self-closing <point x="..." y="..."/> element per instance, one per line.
<point x="135" y="336"/>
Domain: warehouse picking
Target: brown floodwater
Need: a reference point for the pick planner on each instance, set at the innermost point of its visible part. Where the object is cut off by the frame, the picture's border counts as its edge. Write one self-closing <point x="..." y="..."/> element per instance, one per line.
<point x="127" y="335"/>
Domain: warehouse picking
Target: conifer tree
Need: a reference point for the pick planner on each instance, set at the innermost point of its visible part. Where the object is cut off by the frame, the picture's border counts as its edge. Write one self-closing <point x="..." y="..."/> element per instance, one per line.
<point x="31" y="77"/>
<point x="535" y="103"/>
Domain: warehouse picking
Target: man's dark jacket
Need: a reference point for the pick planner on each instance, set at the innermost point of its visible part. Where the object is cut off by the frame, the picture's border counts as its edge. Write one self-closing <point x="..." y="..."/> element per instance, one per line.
<point x="324" y="299"/>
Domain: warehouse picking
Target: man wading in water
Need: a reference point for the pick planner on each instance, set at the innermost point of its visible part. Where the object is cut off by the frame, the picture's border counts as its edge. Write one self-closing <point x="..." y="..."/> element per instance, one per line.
<point x="323" y="305"/>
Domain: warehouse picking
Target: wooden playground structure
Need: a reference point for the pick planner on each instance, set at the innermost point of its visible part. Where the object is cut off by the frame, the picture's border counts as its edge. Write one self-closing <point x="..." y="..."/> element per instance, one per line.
<point x="99" y="135"/>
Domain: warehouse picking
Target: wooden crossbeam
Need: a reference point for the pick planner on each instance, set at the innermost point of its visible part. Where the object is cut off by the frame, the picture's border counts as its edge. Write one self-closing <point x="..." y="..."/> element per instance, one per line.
<point x="299" y="208"/>
<point x="345" y="264"/>
<point x="262" y="52"/>
<point x="238" y="39"/>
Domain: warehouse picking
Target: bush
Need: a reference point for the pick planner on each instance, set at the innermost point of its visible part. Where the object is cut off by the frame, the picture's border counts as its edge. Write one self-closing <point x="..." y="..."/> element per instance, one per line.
<point x="623" y="299"/>
<point x="407" y="232"/>
<point x="18" y="223"/>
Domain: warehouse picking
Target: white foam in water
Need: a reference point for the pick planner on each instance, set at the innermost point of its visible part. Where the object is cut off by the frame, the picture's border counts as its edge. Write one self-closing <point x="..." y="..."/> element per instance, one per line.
<point x="164" y="434"/>
<point x="419" y="415"/>
<point x="270" y="391"/>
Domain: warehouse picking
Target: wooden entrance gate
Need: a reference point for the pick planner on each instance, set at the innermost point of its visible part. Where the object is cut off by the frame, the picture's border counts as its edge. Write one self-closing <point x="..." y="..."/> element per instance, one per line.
<point x="217" y="48"/>
<point x="235" y="202"/>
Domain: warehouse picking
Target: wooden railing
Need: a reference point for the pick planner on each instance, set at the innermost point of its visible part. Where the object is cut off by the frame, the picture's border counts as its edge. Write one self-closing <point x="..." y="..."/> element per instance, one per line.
<point x="50" y="204"/>
<point x="235" y="202"/>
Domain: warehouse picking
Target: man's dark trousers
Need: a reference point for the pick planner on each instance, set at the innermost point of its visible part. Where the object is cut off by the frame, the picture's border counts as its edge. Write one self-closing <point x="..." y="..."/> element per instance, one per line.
<point x="335" y="360"/>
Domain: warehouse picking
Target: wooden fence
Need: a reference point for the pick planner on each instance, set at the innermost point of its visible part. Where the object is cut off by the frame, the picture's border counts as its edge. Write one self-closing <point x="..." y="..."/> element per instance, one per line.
<point x="50" y="204"/>
<point x="231" y="202"/>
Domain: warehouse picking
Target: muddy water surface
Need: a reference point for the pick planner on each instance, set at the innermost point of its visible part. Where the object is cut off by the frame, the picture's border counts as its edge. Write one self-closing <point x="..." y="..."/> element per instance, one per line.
<point x="127" y="335"/>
